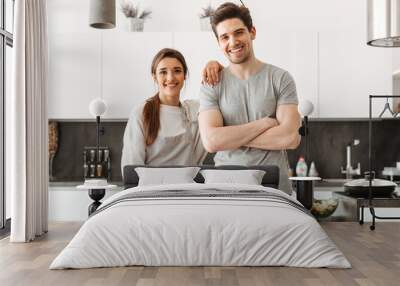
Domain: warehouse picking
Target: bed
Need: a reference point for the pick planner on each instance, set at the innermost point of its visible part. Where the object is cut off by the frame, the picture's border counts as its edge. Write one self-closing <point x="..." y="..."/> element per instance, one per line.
<point x="201" y="224"/>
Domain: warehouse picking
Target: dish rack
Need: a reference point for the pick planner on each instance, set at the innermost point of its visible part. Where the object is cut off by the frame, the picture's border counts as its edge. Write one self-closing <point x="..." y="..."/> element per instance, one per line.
<point x="96" y="163"/>
<point x="371" y="204"/>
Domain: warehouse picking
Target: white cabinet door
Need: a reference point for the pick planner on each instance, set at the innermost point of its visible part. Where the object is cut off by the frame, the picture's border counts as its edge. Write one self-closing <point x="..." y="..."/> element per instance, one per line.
<point x="305" y="67"/>
<point x="350" y="71"/>
<point x="127" y="80"/>
<point x="296" y="52"/>
<point x="198" y="48"/>
<point x="67" y="203"/>
<point x="74" y="74"/>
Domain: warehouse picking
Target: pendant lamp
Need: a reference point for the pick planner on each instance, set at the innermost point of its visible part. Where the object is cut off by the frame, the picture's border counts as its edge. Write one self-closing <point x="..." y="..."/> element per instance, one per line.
<point x="102" y="14"/>
<point x="383" y="23"/>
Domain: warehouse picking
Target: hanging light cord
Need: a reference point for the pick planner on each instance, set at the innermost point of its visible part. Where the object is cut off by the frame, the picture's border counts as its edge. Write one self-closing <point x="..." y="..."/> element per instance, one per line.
<point x="101" y="64"/>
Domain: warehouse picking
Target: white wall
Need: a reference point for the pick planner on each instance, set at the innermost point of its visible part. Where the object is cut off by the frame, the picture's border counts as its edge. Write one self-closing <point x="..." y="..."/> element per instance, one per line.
<point x="321" y="42"/>
<point x="396" y="60"/>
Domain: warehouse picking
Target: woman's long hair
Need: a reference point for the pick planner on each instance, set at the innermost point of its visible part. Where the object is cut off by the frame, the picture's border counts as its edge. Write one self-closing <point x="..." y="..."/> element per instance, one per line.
<point x="151" y="109"/>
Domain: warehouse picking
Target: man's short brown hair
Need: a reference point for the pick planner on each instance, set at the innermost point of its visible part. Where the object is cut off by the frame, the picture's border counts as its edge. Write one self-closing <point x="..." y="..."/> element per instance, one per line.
<point x="229" y="10"/>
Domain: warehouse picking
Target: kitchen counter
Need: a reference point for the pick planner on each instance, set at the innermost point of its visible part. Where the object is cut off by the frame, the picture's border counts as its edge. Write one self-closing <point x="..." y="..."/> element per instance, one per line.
<point x="68" y="203"/>
<point x="335" y="182"/>
<point x="329" y="182"/>
<point x="323" y="185"/>
<point x="74" y="184"/>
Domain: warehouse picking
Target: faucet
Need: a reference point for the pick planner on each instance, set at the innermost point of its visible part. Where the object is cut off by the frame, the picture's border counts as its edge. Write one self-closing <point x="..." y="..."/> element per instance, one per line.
<point x="349" y="171"/>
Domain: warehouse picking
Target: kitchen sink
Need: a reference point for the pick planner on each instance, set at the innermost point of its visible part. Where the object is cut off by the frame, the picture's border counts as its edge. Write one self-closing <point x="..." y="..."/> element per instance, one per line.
<point x="332" y="182"/>
<point x="336" y="180"/>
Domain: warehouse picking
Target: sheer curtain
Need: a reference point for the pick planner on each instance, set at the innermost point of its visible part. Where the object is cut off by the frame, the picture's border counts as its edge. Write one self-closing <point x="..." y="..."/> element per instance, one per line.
<point x="28" y="123"/>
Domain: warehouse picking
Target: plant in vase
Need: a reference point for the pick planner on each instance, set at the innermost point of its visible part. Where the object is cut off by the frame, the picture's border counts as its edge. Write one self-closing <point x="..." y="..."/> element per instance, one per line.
<point x="53" y="146"/>
<point x="205" y="17"/>
<point x="135" y="16"/>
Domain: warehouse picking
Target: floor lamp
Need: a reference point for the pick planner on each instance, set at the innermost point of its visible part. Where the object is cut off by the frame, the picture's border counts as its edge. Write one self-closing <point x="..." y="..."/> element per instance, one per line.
<point x="97" y="108"/>
<point x="304" y="185"/>
<point x="306" y="107"/>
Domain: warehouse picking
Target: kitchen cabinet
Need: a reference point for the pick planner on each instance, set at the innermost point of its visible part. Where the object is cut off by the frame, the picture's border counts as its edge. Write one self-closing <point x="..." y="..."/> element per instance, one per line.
<point x="74" y="74"/>
<point x="350" y="71"/>
<point x="334" y="69"/>
<point x="296" y="52"/>
<point x="198" y="48"/>
<point x="127" y="79"/>
<point x="67" y="203"/>
<point x="114" y="65"/>
<point x="321" y="44"/>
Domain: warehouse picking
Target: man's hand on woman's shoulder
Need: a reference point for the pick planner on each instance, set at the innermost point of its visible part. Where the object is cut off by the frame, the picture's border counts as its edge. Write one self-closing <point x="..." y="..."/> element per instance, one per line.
<point x="211" y="73"/>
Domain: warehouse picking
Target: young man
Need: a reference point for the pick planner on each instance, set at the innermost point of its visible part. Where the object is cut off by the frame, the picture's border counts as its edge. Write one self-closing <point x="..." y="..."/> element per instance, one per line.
<point x="250" y="117"/>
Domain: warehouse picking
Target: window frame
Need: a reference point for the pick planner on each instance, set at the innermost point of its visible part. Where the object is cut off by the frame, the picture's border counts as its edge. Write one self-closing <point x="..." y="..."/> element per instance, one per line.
<point x="6" y="39"/>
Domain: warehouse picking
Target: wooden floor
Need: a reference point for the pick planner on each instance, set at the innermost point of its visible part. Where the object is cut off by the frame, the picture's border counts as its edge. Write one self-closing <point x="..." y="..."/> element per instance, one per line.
<point x="374" y="255"/>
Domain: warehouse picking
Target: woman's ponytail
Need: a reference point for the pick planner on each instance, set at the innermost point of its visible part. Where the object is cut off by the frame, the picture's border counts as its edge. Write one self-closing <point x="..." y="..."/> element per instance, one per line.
<point x="151" y="119"/>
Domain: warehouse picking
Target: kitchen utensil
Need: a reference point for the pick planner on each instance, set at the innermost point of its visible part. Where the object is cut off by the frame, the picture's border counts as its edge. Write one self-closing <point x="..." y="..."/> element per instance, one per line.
<point x="313" y="170"/>
<point x="301" y="168"/>
<point x="99" y="155"/>
<point x="85" y="170"/>
<point x="99" y="170"/>
<point x="391" y="172"/>
<point x="92" y="170"/>
<point x="106" y="155"/>
<point x="360" y="187"/>
<point x="92" y="155"/>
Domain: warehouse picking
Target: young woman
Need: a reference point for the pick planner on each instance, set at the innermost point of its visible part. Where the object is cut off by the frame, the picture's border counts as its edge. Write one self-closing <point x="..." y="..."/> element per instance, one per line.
<point x="163" y="130"/>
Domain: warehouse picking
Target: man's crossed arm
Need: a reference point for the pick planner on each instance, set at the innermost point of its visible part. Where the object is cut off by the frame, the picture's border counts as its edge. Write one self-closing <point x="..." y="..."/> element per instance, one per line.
<point x="265" y="133"/>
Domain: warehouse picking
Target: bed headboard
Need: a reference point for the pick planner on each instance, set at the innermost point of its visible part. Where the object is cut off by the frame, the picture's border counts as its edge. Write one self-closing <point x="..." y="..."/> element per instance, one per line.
<point x="270" y="179"/>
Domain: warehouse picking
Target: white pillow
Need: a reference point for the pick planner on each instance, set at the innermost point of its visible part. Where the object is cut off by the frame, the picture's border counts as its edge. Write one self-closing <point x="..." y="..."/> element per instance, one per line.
<point x="164" y="176"/>
<point x="248" y="177"/>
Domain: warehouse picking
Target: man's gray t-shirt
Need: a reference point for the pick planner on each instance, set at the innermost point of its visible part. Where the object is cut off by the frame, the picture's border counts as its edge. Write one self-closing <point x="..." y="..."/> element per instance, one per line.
<point x="244" y="101"/>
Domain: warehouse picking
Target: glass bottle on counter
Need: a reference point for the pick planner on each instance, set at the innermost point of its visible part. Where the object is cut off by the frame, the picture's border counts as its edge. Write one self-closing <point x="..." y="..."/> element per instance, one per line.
<point x="301" y="167"/>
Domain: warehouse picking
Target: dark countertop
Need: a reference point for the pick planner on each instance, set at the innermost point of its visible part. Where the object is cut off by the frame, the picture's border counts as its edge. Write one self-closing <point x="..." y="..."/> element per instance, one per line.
<point x="339" y="182"/>
<point x="322" y="183"/>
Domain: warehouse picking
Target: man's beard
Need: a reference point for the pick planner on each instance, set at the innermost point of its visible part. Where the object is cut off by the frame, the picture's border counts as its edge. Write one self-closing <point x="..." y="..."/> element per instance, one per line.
<point x="240" y="61"/>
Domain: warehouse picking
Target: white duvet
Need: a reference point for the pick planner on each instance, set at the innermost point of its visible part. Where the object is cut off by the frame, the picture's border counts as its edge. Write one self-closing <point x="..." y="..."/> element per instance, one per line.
<point x="200" y="231"/>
